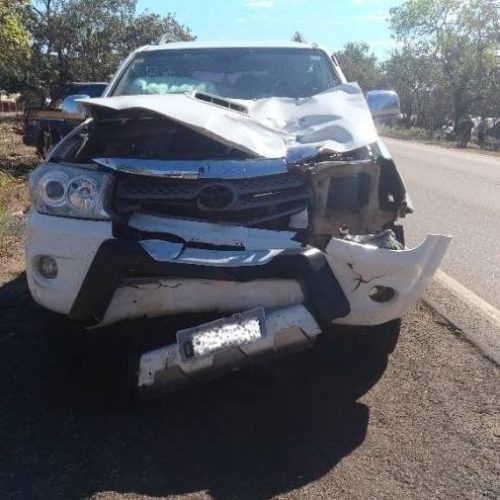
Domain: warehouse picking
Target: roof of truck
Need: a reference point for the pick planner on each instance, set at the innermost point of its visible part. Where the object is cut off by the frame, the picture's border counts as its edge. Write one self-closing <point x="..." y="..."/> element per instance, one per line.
<point x="228" y="45"/>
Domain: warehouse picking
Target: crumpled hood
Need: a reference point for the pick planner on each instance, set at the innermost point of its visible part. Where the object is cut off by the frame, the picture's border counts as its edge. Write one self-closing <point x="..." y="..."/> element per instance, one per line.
<point x="338" y="120"/>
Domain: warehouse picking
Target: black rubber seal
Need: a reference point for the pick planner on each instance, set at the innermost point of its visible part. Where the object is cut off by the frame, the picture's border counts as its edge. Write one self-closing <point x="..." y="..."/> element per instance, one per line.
<point x="118" y="258"/>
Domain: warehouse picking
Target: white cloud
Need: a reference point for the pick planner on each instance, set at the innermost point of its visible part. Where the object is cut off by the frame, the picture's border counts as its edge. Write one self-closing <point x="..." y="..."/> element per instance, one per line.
<point x="260" y="4"/>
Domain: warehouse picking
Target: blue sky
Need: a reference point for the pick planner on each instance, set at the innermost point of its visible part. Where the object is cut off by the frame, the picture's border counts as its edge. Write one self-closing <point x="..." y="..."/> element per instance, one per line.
<point x="331" y="23"/>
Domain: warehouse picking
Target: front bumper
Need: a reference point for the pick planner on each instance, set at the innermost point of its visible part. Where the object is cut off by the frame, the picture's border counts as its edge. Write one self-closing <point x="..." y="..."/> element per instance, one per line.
<point x="116" y="259"/>
<point x="304" y="291"/>
<point x="103" y="279"/>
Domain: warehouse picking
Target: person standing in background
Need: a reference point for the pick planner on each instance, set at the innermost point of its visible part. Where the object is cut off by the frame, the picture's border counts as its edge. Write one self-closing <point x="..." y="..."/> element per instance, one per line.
<point x="465" y="132"/>
<point x="481" y="133"/>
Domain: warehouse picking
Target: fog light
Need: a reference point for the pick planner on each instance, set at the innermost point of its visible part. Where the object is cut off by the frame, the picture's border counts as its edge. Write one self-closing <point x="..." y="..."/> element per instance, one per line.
<point x="47" y="266"/>
<point x="382" y="294"/>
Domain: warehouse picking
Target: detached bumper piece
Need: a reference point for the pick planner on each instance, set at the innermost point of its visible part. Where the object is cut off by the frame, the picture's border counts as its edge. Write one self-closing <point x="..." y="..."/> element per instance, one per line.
<point x="172" y="367"/>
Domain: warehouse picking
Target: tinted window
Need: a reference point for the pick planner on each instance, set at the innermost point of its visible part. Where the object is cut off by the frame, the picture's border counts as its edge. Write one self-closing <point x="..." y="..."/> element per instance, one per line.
<point x="91" y="89"/>
<point x="240" y="73"/>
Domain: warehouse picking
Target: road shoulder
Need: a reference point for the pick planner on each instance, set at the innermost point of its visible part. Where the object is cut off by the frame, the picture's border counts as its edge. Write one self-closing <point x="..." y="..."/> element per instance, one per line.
<point x="478" y="320"/>
<point x="482" y="153"/>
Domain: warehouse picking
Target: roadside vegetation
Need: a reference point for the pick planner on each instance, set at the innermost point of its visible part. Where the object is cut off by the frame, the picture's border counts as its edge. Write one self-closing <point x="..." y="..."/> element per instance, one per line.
<point x="16" y="161"/>
<point x="446" y="66"/>
<point x="47" y="44"/>
<point x="436" y="137"/>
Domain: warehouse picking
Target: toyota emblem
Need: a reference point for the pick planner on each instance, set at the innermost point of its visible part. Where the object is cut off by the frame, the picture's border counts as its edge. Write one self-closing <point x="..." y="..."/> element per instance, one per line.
<point x="216" y="197"/>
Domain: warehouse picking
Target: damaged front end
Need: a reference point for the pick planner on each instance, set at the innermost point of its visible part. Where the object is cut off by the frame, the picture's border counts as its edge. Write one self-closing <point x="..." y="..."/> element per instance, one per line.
<point x="245" y="213"/>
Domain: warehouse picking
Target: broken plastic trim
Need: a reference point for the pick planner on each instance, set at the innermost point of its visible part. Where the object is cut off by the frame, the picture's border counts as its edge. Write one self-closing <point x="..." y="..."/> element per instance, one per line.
<point x="200" y="169"/>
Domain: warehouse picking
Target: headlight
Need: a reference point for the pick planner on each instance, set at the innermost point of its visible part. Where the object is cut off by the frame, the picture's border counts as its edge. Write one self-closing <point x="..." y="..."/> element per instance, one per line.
<point x="71" y="192"/>
<point x="82" y="194"/>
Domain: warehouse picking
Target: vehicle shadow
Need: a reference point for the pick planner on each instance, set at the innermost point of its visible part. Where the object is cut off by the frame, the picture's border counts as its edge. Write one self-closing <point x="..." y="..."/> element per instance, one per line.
<point x="249" y="435"/>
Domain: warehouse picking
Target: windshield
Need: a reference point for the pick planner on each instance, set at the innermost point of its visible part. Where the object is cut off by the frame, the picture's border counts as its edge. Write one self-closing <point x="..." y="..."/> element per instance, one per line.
<point x="239" y="73"/>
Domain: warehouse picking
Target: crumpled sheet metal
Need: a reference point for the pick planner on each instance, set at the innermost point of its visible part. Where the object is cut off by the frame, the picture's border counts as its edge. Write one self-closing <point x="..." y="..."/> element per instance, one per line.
<point x="338" y="120"/>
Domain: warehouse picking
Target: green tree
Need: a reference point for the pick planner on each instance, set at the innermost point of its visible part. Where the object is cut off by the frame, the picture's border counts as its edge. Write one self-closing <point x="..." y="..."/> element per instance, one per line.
<point x="418" y="80"/>
<point x="77" y="40"/>
<point x="14" y="41"/>
<point x="360" y="65"/>
<point x="460" y="37"/>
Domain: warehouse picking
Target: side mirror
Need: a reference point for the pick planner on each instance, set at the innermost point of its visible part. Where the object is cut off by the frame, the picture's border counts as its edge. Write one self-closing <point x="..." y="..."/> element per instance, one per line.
<point x="74" y="109"/>
<point x="384" y="104"/>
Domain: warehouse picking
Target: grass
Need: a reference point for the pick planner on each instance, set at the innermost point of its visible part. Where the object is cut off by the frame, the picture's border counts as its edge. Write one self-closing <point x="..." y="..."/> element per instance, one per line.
<point x="14" y="200"/>
<point x="415" y="134"/>
<point x="433" y="137"/>
<point x="16" y="161"/>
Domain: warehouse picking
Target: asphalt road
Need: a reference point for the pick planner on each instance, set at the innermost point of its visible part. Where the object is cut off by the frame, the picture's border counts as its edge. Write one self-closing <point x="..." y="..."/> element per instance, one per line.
<point x="429" y="427"/>
<point x="457" y="193"/>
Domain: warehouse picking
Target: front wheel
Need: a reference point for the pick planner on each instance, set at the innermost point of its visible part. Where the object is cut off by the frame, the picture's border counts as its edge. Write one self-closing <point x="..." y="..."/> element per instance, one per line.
<point x="359" y="354"/>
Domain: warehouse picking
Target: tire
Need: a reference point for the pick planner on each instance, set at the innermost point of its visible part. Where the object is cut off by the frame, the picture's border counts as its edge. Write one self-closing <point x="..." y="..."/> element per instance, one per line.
<point x="360" y="354"/>
<point x="371" y="342"/>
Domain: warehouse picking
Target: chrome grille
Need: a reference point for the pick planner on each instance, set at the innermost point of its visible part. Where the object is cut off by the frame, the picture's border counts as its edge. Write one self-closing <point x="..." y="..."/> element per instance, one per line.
<point x="254" y="201"/>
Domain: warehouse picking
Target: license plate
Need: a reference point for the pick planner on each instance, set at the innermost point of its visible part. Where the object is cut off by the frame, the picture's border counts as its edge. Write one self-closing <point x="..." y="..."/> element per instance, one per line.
<point x="222" y="334"/>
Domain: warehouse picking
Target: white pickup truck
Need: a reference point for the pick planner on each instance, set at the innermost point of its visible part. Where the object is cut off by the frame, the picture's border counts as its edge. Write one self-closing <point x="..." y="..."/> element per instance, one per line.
<point x="227" y="203"/>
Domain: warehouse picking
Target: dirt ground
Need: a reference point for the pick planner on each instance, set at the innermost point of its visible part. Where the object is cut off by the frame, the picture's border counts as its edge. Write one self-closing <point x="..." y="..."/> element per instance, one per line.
<point x="16" y="161"/>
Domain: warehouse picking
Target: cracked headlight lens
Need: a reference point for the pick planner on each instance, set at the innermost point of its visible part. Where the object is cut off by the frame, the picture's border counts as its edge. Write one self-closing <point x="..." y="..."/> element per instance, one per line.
<point x="71" y="192"/>
<point x="82" y="194"/>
